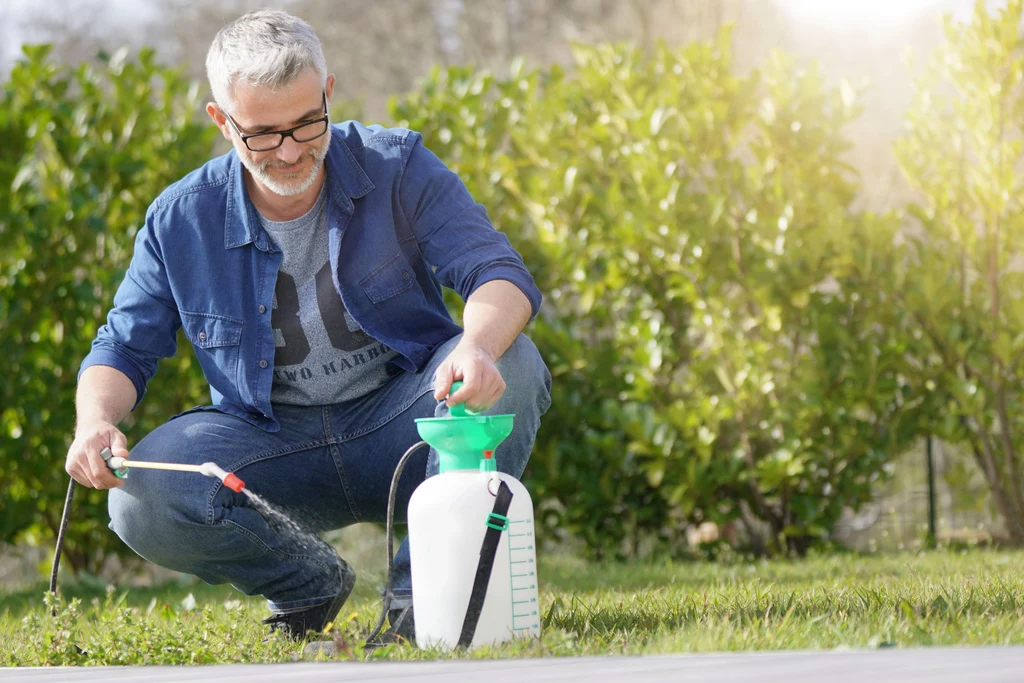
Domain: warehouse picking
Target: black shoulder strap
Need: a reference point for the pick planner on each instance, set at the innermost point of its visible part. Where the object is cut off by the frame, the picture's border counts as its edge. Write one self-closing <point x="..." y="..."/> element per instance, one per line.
<point x="496" y="523"/>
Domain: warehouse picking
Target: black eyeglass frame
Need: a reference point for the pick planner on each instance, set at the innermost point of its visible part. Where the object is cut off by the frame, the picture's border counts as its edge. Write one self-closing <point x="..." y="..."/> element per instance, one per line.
<point x="282" y="133"/>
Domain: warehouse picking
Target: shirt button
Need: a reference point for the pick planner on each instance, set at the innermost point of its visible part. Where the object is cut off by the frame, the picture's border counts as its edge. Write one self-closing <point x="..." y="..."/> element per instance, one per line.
<point x="263" y="363"/>
<point x="405" y="275"/>
<point x="263" y="309"/>
<point x="202" y="336"/>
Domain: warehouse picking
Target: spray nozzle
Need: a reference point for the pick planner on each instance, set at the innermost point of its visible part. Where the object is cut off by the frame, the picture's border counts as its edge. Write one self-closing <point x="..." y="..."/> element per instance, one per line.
<point x="230" y="480"/>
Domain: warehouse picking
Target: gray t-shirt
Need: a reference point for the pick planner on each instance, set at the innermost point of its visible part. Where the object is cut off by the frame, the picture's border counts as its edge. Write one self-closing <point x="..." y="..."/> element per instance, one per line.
<point x="322" y="355"/>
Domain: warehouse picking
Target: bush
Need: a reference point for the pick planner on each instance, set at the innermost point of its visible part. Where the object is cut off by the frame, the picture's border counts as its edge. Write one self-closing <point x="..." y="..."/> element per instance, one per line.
<point x="963" y="277"/>
<point x="86" y="150"/>
<point x="713" y="355"/>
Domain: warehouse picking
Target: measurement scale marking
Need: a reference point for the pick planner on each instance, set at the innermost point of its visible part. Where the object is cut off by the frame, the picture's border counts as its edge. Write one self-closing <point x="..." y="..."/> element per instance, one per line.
<point x="527" y="535"/>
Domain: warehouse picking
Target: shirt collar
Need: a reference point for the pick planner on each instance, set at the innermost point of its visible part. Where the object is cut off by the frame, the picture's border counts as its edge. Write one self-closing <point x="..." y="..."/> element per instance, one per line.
<point x="346" y="181"/>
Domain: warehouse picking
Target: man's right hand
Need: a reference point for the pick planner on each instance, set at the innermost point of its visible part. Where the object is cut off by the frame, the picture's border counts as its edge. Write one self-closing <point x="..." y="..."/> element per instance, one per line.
<point x="86" y="465"/>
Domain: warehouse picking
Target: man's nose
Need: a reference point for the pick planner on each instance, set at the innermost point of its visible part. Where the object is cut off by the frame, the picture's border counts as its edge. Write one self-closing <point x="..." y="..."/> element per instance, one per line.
<point x="290" y="151"/>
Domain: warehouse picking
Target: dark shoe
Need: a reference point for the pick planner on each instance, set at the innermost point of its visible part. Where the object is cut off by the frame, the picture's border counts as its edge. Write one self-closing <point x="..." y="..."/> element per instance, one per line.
<point x="401" y="629"/>
<point x="297" y="624"/>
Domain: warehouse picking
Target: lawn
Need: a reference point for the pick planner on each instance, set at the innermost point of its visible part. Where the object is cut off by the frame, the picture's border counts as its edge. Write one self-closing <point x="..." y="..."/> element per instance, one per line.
<point x="841" y="601"/>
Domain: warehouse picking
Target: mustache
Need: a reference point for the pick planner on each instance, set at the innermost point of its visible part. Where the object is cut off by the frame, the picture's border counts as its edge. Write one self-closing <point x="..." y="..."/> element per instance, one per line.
<point x="316" y="155"/>
<point x="271" y="164"/>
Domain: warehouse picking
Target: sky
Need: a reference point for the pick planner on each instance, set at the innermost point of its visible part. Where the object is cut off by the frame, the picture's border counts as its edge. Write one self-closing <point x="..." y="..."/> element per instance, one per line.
<point x="126" y="13"/>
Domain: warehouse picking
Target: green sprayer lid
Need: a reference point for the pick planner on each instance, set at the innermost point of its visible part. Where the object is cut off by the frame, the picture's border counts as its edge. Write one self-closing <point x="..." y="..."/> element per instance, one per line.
<point x="465" y="441"/>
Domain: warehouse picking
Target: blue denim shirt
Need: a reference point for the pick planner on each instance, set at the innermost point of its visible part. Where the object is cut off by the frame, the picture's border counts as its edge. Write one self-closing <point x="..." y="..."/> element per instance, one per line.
<point x="401" y="225"/>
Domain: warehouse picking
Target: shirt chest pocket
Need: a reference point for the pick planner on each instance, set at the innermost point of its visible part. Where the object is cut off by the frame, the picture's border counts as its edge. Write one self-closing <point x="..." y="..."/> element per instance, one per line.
<point x="216" y="340"/>
<point x="390" y="279"/>
<point x="207" y="331"/>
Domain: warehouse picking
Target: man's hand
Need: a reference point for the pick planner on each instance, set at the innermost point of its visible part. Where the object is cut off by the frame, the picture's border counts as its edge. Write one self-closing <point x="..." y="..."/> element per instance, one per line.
<point x="482" y="384"/>
<point x="85" y="464"/>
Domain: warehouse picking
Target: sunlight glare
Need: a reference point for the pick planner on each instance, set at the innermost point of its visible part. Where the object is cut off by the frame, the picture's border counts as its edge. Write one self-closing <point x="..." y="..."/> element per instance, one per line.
<point x="839" y="13"/>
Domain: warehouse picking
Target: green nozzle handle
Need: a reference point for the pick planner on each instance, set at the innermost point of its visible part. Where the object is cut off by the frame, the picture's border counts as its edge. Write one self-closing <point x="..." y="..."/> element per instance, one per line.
<point x="107" y="455"/>
<point x="460" y="409"/>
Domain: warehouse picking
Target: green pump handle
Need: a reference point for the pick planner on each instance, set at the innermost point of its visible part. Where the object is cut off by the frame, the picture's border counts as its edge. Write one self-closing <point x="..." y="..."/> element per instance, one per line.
<point x="460" y="409"/>
<point x="487" y="463"/>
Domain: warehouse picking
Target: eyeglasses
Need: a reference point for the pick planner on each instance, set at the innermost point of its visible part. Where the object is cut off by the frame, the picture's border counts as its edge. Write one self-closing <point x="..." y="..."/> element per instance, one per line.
<point x="264" y="142"/>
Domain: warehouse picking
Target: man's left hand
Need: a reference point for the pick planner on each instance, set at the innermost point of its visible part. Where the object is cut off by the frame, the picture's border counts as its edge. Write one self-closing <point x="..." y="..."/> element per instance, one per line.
<point x="482" y="384"/>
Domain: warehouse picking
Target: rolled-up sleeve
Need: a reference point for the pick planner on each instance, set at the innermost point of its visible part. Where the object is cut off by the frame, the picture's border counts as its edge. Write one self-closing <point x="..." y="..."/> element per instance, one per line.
<point x="454" y="232"/>
<point x="141" y="327"/>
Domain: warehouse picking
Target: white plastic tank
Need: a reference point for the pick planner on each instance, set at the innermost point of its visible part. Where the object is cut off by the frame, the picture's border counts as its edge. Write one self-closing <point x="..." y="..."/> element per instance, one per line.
<point x="447" y="521"/>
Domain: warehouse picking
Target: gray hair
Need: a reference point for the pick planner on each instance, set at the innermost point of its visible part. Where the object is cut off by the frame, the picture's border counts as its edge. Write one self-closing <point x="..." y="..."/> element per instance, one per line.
<point x="264" y="48"/>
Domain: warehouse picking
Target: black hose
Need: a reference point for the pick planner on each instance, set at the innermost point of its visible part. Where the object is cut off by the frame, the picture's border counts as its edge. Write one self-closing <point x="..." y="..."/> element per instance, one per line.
<point x="388" y="590"/>
<point x="60" y="542"/>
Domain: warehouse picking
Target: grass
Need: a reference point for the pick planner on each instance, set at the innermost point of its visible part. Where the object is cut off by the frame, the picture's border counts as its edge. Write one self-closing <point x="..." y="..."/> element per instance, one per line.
<point x="937" y="598"/>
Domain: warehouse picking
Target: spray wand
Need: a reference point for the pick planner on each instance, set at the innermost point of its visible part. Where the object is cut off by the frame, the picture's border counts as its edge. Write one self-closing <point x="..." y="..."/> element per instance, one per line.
<point x="120" y="467"/>
<point x="208" y="469"/>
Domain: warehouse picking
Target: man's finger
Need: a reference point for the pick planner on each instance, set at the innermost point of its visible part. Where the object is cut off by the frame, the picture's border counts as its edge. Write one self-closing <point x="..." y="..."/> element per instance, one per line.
<point x="88" y="479"/>
<point x="76" y="474"/>
<point x="470" y="380"/>
<point x="494" y="396"/>
<point x="119" y="449"/>
<point x="443" y="381"/>
<point x="498" y="389"/>
<point x="102" y="475"/>
<point x="119" y="445"/>
<point x="78" y="467"/>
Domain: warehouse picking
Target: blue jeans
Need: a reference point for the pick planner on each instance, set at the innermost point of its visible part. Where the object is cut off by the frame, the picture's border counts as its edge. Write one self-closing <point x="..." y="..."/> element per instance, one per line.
<point x="328" y="467"/>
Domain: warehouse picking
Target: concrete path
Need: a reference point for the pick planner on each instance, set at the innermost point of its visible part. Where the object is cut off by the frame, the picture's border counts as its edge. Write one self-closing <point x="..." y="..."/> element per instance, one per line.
<point x="931" y="665"/>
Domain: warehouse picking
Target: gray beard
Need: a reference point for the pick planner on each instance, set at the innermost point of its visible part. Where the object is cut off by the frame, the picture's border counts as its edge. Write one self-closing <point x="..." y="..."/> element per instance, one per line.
<point x="293" y="187"/>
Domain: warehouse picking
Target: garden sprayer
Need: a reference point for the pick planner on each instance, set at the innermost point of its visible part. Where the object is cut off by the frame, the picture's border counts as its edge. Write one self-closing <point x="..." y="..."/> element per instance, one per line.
<point x="471" y="538"/>
<point x="471" y="534"/>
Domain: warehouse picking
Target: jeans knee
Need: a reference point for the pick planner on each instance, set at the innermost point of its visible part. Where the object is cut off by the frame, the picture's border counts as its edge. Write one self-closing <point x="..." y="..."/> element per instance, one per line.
<point x="526" y="375"/>
<point x="154" y="519"/>
<point x="140" y="524"/>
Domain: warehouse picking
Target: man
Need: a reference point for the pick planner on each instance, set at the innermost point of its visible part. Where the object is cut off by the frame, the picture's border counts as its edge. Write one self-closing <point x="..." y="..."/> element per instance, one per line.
<point x="305" y="267"/>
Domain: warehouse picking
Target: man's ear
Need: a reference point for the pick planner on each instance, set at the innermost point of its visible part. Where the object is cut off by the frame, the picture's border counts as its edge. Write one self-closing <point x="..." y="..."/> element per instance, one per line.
<point x="329" y="88"/>
<point x="217" y="115"/>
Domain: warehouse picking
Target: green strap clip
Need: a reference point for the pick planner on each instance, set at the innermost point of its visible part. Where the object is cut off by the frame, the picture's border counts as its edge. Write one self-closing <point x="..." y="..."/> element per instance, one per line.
<point x="497" y="526"/>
